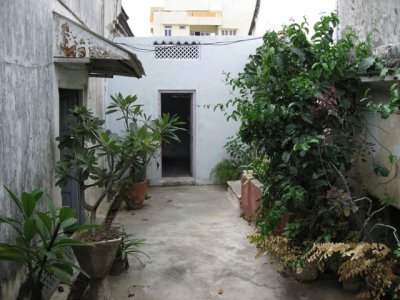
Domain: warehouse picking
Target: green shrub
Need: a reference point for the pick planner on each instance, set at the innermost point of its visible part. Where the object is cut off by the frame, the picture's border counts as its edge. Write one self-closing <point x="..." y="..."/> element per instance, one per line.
<point x="298" y="107"/>
<point x="225" y="170"/>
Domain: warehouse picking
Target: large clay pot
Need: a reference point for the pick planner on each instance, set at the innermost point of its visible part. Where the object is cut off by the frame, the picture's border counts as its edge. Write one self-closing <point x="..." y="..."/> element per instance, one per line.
<point x="135" y="194"/>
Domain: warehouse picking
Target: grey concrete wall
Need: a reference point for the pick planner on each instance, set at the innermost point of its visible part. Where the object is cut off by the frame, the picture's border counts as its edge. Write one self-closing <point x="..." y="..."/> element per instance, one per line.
<point x="368" y="16"/>
<point x="29" y="103"/>
<point x="382" y="20"/>
<point x="26" y="106"/>
<point x="90" y="12"/>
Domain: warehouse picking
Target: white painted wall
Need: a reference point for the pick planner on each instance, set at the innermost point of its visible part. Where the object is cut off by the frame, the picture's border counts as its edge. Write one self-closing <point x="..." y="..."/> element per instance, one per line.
<point x="204" y="76"/>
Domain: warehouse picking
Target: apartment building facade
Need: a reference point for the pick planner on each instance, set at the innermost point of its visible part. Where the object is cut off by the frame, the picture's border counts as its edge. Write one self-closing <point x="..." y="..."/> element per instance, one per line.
<point x="202" y="18"/>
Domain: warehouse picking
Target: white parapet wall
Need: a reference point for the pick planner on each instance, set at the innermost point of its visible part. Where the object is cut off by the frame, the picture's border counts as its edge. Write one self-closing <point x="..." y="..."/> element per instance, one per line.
<point x="202" y="74"/>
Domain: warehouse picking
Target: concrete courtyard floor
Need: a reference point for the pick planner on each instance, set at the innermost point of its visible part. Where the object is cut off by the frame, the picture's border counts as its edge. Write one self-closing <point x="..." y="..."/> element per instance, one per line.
<point x="199" y="250"/>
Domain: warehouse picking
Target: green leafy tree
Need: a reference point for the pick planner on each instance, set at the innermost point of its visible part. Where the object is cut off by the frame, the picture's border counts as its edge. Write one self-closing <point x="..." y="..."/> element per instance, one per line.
<point x="297" y="103"/>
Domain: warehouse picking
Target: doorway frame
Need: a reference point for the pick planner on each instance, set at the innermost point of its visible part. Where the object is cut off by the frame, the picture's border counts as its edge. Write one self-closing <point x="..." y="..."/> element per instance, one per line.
<point x="190" y="179"/>
<point x="80" y="213"/>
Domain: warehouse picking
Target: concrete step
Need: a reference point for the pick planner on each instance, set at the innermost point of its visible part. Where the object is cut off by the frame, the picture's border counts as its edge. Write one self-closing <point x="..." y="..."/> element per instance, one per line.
<point x="234" y="188"/>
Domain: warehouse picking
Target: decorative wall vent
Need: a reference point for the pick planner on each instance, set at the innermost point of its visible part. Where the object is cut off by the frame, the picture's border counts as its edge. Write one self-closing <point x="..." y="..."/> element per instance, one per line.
<point x="177" y="52"/>
<point x="51" y="281"/>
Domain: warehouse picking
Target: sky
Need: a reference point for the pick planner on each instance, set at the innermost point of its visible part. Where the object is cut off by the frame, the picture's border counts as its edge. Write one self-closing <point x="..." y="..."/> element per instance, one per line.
<point x="272" y="14"/>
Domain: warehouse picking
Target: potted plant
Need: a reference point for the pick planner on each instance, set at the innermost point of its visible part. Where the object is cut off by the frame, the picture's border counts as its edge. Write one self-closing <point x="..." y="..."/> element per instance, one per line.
<point x="41" y="242"/>
<point x="85" y="146"/>
<point x="95" y="157"/>
<point x="128" y="246"/>
<point x="143" y="138"/>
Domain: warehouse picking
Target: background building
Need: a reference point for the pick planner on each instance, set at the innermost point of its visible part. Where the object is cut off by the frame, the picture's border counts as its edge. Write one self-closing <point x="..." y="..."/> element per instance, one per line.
<point x="202" y="17"/>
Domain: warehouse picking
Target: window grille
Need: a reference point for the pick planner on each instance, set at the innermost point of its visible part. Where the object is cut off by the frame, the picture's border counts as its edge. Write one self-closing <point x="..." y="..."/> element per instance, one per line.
<point x="177" y="52"/>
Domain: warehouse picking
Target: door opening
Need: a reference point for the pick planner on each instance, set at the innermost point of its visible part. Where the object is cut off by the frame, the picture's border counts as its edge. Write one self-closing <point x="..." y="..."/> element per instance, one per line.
<point x="176" y="157"/>
<point x="70" y="192"/>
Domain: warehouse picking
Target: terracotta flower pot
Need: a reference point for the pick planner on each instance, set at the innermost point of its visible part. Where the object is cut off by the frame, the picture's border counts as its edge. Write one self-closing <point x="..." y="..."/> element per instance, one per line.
<point x="135" y="194"/>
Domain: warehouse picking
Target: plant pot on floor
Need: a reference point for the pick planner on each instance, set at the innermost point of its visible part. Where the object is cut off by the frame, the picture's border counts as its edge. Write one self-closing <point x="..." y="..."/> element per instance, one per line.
<point x="96" y="261"/>
<point x="119" y="266"/>
<point x="135" y="194"/>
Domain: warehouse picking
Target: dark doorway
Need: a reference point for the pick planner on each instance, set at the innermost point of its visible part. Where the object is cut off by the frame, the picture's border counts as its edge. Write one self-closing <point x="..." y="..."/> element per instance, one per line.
<point x="70" y="192"/>
<point x="176" y="157"/>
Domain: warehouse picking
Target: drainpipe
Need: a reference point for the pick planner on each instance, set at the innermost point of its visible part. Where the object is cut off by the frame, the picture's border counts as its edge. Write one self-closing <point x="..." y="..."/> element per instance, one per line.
<point x="255" y="16"/>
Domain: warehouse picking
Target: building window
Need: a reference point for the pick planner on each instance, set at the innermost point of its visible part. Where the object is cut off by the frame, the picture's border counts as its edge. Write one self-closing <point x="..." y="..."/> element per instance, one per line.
<point x="182" y="27"/>
<point x="199" y="33"/>
<point x="228" y="31"/>
<point x="167" y="30"/>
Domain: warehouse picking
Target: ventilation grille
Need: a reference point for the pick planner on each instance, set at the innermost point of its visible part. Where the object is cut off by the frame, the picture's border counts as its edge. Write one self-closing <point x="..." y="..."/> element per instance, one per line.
<point x="51" y="281"/>
<point x="177" y="52"/>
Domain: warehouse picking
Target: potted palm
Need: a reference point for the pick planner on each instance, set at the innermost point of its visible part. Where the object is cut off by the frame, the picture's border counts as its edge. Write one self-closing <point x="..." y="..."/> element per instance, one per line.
<point x="143" y="138"/>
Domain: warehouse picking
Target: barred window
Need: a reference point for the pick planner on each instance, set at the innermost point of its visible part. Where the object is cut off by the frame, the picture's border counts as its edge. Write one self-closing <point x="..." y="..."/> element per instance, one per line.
<point x="167" y="30"/>
<point x="177" y="52"/>
<point x="228" y="31"/>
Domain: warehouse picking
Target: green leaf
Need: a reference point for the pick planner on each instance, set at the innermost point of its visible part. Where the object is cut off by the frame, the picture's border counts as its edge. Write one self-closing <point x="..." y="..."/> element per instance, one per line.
<point x="30" y="229"/>
<point x="8" y="252"/>
<point x="37" y="194"/>
<point x="43" y="225"/>
<point x="52" y="208"/>
<point x="68" y="223"/>
<point x="60" y="272"/>
<point x="66" y="241"/>
<point x="366" y="63"/>
<point x="286" y="156"/>
<point x="65" y="213"/>
<point x="380" y="170"/>
<point x="13" y="223"/>
<point x="345" y="102"/>
<point x="16" y="200"/>
<point x="84" y="227"/>
<point x="28" y="203"/>
<point x="393" y="159"/>
<point x="387" y="199"/>
<point x="384" y="72"/>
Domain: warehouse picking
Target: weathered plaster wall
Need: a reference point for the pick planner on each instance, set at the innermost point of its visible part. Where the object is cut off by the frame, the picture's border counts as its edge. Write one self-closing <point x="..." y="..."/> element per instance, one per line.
<point x="96" y="15"/>
<point x="29" y="102"/>
<point x="369" y="16"/>
<point x="382" y="20"/>
<point x="204" y="77"/>
<point x="90" y="12"/>
<point x="26" y="106"/>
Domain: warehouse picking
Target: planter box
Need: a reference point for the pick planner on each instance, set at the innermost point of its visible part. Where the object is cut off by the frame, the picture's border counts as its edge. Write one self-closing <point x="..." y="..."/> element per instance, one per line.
<point x="251" y="195"/>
